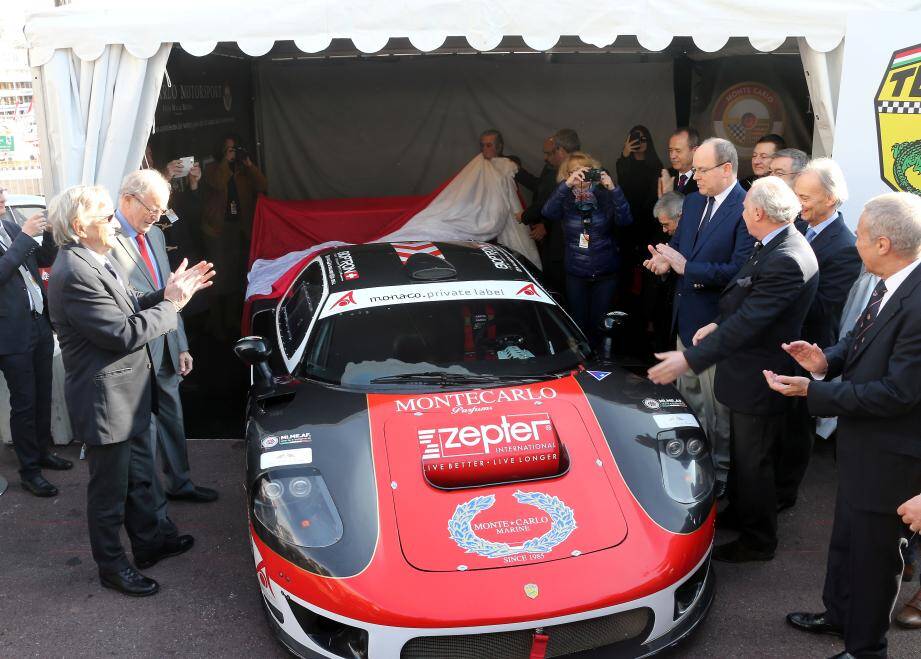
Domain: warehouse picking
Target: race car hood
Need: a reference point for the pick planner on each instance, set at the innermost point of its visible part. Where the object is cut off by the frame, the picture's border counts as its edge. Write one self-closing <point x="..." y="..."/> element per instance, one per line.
<point x="501" y="477"/>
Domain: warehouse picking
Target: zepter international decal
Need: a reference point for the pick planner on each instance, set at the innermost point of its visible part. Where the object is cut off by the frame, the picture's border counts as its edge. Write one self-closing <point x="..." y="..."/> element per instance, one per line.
<point x="898" y="121"/>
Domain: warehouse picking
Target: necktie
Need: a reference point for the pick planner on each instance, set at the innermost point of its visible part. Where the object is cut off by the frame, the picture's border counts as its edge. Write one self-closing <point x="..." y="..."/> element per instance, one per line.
<point x="868" y="316"/>
<point x="108" y="266"/>
<point x="32" y="288"/>
<point x="707" y="213"/>
<point x="811" y="234"/>
<point x="682" y="181"/>
<point x="145" y="254"/>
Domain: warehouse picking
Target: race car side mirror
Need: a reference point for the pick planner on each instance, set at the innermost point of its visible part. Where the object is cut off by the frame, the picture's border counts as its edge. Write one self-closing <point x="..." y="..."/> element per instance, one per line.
<point x="610" y="324"/>
<point x="252" y="351"/>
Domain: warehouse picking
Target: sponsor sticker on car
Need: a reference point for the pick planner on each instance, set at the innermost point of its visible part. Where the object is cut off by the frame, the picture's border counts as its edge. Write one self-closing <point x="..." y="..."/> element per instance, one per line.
<point x="367" y="298"/>
<point x="294" y="456"/>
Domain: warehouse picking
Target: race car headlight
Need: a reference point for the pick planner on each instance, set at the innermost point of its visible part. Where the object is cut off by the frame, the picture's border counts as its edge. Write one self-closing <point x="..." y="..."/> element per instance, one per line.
<point x="296" y="507"/>
<point x="687" y="472"/>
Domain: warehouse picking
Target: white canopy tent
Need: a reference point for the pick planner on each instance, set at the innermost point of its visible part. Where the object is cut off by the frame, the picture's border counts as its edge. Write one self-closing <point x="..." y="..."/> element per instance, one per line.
<point x="98" y="66"/>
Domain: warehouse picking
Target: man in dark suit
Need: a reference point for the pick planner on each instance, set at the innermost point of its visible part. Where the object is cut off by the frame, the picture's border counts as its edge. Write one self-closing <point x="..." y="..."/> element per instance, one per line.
<point x="765" y="302"/>
<point x="104" y="327"/>
<point x="547" y="233"/>
<point x="140" y="250"/>
<point x="878" y="405"/>
<point x="681" y="147"/>
<point x="26" y="347"/>
<point x="821" y="189"/>
<point x="707" y="250"/>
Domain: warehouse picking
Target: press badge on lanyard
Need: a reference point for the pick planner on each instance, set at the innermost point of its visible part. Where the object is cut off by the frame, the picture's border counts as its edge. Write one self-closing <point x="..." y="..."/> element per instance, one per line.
<point x="583" y="240"/>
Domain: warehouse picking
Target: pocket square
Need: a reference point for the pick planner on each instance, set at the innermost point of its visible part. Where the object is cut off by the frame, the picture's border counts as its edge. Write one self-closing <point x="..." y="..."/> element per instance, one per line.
<point x="744" y="282"/>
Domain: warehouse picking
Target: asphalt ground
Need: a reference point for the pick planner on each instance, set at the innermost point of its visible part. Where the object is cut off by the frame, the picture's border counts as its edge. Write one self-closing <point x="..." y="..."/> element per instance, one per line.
<point x="51" y="603"/>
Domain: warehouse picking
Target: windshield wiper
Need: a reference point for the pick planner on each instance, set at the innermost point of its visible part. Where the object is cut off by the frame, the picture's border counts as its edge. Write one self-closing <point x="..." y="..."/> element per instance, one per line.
<point x="433" y="377"/>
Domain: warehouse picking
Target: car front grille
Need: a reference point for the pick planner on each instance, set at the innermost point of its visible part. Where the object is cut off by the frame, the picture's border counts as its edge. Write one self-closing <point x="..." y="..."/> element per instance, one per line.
<point x="565" y="639"/>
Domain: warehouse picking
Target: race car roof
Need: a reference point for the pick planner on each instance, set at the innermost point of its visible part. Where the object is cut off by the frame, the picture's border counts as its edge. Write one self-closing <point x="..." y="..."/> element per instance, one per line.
<point x="395" y="264"/>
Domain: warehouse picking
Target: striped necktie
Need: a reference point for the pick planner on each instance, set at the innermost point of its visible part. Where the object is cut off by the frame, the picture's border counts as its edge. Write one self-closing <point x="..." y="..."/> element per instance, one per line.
<point x="868" y="316"/>
<point x="811" y="234"/>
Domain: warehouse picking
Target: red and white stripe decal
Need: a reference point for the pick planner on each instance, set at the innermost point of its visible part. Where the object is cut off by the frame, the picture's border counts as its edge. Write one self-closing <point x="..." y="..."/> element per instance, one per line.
<point x="405" y="250"/>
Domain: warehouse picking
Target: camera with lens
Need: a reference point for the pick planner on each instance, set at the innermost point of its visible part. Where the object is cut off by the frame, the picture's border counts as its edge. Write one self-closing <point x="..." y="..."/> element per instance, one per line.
<point x="592" y="175"/>
<point x="241" y="152"/>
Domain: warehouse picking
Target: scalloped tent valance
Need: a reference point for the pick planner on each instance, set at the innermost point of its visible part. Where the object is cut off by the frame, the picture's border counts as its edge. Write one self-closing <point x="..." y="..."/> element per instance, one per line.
<point x="87" y="28"/>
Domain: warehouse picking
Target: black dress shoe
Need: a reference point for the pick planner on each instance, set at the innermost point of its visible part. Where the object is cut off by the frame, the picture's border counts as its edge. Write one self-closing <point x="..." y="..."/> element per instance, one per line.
<point x="727" y="520"/>
<point x="56" y="462"/>
<point x="38" y="486"/>
<point x="785" y="504"/>
<point x="170" y="547"/>
<point x="130" y="582"/>
<point x="736" y="552"/>
<point x="815" y="623"/>
<point x="197" y="494"/>
<point x="843" y="655"/>
<point x="720" y="489"/>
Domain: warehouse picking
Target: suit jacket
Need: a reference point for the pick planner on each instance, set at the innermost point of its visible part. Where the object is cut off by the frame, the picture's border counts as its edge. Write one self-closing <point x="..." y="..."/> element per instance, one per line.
<point x="761" y="308"/>
<point x="713" y="259"/>
<point x="104" y="330"/>
<point x="839" y="266"/>
<point x="878" y="404"/>
<point x="552" y="246"/>
<point x="126" y="254"/>
<point x="15" y="311"/>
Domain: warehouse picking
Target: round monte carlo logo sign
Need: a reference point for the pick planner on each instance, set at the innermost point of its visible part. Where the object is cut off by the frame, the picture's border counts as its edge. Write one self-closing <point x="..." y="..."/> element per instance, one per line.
<point x="745" y="112"/>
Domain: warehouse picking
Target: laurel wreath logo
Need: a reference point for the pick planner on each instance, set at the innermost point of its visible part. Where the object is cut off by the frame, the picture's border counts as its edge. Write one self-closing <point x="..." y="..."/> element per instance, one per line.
<point x="562" y="524"/>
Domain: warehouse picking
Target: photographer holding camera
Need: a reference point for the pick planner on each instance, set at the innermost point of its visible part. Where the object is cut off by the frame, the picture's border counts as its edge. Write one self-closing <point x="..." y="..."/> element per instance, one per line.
<point x="230" y="188"/>
<point x="589" y="205"/>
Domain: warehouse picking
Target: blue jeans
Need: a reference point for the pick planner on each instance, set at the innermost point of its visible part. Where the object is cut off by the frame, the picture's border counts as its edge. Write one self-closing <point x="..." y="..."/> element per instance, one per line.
<point x="589" y="299"/>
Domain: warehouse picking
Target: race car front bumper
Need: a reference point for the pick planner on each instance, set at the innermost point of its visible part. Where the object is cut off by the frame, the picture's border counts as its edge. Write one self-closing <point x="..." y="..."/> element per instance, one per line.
<point x="637" y="628"/>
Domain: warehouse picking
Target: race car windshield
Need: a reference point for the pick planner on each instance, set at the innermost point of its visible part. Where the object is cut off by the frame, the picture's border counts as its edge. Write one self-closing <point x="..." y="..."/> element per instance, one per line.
<point x="443" y="343"/>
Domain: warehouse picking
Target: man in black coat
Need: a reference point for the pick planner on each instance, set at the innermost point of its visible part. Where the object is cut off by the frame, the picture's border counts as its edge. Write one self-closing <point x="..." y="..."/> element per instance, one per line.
<point x="103" y="327"/>
<point x="765" y="302"/>
<point x="878" y="405"/>
<point x="27" y="347"/>
<point x="821" y="189"/>
<point x="547" y="233"/>
<point x="681" y="147"/>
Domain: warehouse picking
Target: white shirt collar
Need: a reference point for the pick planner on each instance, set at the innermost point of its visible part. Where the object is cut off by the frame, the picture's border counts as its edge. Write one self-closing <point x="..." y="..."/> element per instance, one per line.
<point x="895" y="280"/>
<point x="768" y="238"/>
<point x="721" y="197"/>
<point x="821" y="226"/>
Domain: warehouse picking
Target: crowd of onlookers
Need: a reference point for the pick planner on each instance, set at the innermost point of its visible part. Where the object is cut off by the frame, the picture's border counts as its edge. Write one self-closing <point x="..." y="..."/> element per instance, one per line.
<point x="771" y="316"/>
<point x="753" y="296"/>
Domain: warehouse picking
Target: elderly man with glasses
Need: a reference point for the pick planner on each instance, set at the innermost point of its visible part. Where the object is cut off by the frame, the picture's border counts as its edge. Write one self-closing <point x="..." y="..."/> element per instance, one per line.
<point x="787" y="164"/>
<point x="140" y="250"/>
<point x="708" y="249"/>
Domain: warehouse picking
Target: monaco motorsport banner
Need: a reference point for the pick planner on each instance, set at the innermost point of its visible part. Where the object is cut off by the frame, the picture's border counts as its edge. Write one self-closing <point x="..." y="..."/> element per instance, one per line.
<point x="878" y="128"/>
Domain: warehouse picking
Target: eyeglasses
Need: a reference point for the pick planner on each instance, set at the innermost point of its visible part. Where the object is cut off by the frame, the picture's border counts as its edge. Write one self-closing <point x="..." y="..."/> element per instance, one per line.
<point x="781" y="173"/>
<point x="704" y="170"/>
<point x="107" y="218"/>
<point x="152" y="211"/>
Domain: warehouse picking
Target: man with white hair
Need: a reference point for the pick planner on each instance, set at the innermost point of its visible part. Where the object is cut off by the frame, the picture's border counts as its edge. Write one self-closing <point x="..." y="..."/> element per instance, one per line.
<point x="878" y="405"/>
<point x="765" y="302"/>
<point x="821" y="190"/>
<point x="140" y="250"/>
<point x="104" y="326"/>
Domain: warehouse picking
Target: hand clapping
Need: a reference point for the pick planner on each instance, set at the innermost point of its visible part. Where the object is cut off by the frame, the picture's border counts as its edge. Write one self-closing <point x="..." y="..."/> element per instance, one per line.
<point x="184" y="282"/>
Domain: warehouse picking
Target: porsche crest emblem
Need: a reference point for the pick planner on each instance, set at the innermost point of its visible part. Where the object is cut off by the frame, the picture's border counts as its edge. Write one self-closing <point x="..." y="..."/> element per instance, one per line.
<point x="898" y="121"/>
<point x="531" y="590"/>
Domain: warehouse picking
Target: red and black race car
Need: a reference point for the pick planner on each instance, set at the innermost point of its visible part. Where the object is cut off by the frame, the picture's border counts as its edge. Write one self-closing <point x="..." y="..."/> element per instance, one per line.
<point x="439" y="466"/>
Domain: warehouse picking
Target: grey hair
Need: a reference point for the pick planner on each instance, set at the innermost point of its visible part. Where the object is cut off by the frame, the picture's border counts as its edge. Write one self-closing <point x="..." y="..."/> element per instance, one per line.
<point x="567" y="139"/>
<point x="142" y="181"/>
<point x="492" y="132"/>
<point x="831" y="178"/>
<point x="799" y="159"/>
<point x="670" y="205"/>
<point x="772" y="195"/>
<point x="897" y="216"/>
<point x="78" y="202"/>
<point x="724" y="152"/>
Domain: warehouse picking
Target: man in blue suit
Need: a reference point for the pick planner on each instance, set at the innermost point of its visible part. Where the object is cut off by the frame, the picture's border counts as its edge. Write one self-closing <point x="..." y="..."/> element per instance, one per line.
<point x="708" y="249"/>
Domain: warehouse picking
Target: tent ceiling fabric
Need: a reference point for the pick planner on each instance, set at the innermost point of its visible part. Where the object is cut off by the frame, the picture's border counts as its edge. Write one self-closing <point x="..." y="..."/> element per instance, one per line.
<point x="88" y="27"/>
